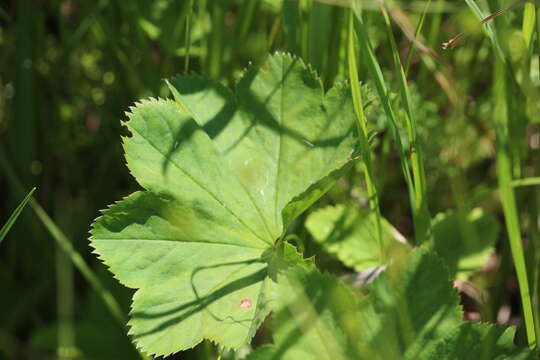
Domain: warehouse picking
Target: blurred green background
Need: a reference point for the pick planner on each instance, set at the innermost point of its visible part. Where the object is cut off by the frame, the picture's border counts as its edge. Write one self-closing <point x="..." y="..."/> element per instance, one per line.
<point x="70" y="69"/>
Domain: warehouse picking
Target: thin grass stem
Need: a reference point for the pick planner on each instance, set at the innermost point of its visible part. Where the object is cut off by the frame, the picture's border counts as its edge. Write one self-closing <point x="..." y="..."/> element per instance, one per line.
<point x="531" y="181"/>
<point x="504" y="173"/>
<point x="417" y="32"/>
<point x="363" y="135"/>
<point x="423" y="224"/>
<point x="419" y="219"/>
<point x="65" y="244"/>
<point x="13" y="217"/>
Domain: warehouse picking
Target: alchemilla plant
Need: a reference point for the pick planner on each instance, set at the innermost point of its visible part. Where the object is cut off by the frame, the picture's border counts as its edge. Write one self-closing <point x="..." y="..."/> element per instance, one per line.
<point x="225" y="174"/>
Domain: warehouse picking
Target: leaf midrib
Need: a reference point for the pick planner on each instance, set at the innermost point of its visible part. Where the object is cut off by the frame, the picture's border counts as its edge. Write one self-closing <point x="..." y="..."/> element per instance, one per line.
<point x="232" y="98"/>
<point x="281" y="118"/>
<point x="94" y="240"/>
<point x="189" y="176"/>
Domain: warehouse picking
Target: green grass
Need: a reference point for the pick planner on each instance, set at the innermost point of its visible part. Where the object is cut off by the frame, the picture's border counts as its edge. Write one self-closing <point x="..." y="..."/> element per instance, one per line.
<point x="439" y="130"/>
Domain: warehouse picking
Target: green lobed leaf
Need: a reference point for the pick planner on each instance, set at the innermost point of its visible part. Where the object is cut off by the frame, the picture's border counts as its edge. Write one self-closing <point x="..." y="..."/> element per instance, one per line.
<point x="349" y="232"/>
<point x="282" y="138"/>
<point x="224" y="174"/>
<point x="465" y="244"/>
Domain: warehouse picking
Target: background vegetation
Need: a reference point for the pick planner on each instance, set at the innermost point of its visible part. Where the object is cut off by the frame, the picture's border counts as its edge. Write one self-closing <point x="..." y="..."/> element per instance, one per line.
<point x="69" y="69"/>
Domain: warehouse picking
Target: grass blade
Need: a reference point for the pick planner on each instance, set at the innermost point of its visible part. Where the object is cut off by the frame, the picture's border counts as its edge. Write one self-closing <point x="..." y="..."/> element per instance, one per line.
<point x="216" y="39"/>
<point x="531" y="181"/>
<point x="363" y="134"/>
<point x="423" y="224"/>
<point x="489" y="28"/>
<point x="383" y="94"/>
<point x="417" y="32"/>
<point x="188" y="35"/>
<point x="529" y="19"/>
<point x="66" y="245"/>
<point x="320" y="28"/>
<point x="291" y="22"/>
<point x="508" y="198"/>
<point x="7" y="226"/>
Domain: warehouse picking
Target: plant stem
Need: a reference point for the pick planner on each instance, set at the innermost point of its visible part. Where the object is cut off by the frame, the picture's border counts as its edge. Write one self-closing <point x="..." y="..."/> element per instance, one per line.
<point x="66" y="347"/>
<point x="504" y="173"/>
<point x="417" y="31"/>
<point x="531" y="181"/>
<point x="66" y="245"/>
<point x="363" y="135"/>
<point x="528" y="24"/>
<point x="9" y="223"/>
<point x="215" y="39"/>
<point x="423" y="224"/>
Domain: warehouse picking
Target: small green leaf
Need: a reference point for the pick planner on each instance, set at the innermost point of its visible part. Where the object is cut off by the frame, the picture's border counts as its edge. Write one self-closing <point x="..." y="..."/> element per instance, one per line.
<point x="410" y="305"/>
<point x="476" y="341"/>
<point x="314" y="314"/>
<point x="350" y="233"/>
<point x="224" y="174"/>
<point x="465" y="245"/>
<point x="411" y="312"/>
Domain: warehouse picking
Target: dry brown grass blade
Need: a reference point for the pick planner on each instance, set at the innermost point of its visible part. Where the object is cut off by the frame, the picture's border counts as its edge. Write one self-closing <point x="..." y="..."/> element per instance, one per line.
<point x="450" y="44"/>
<point x="415" y="6"/>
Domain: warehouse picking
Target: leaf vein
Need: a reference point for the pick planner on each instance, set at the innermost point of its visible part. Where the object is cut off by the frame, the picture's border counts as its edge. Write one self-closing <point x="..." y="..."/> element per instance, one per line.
<point x="177" y="241"/>
<point x="212" y="195"/>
